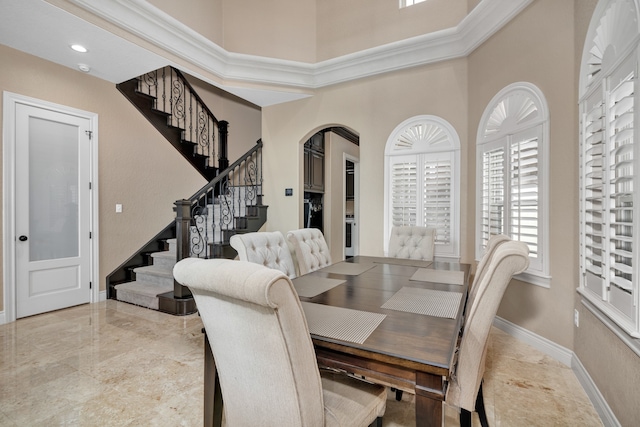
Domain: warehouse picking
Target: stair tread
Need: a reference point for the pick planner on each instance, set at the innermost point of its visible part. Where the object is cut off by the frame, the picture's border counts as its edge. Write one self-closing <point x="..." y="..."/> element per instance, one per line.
<point x="164" y="254"/>
<point x="144" y="288"/>
<point x="156" y="270"/>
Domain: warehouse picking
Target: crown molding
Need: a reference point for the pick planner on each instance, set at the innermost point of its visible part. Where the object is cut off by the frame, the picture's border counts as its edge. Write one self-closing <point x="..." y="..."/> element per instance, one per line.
<point x="143" y="20"/>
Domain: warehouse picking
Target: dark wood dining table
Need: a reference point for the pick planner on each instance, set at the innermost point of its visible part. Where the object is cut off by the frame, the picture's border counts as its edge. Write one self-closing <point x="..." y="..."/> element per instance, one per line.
<point x="408" y="351"/>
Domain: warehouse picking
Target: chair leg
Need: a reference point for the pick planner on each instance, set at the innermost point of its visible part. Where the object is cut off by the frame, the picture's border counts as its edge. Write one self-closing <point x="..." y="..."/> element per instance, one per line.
<point x="465" y="418"/>
<point x="376" y="423"/>
<point x="482" y="414"/>
<point x="398" y="393"/>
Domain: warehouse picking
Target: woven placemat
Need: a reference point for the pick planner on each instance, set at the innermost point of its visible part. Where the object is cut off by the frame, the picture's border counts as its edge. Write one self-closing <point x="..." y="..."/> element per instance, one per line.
<point x="439" y="276"/>
<point x="429" y="302"/>
<point x="348" y="268"/>
<point x="341" y="323"/>
<point x="310" y="286"/>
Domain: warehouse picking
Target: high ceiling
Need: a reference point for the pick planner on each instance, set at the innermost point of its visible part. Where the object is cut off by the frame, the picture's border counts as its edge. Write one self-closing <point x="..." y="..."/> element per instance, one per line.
<point x="46" y="31"/>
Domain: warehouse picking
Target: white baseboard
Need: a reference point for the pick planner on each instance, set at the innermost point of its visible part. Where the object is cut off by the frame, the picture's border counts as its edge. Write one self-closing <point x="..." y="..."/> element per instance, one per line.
<point x="102" y="296"/>
<point x="567" y="357"/>
<point x="3" y="319"/>
<point x="596" y="398"/>
<point x="558" y="352"/>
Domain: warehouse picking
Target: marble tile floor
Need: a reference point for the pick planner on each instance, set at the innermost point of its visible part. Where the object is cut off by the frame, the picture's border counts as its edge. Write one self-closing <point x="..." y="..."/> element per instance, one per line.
<point x="116" y="364"/>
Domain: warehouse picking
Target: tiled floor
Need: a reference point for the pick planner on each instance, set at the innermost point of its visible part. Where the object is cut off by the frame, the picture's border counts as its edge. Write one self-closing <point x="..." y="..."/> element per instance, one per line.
<point x="115" y="364"/>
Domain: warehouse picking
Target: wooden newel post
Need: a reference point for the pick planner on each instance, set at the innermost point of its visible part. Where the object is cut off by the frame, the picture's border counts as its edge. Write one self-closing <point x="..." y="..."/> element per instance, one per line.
<point x="183" y="249"/>
<point x="223" y="133"/>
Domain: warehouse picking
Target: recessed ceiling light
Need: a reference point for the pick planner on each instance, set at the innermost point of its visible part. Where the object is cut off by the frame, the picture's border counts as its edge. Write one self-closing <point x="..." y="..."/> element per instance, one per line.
<point x="84" y="68"/>
<point x="78" y="48"/>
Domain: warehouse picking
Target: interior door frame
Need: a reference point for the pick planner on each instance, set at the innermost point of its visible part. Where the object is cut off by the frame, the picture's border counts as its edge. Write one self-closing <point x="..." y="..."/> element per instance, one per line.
<point x="10" y="102"/>
<point x="355" y="243"/>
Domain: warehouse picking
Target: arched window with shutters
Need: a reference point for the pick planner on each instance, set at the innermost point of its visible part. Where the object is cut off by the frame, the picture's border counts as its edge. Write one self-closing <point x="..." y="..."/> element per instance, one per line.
<point x="609" y="167"/>
<point x="422" y="181"/>
<point x="512" y="175"/>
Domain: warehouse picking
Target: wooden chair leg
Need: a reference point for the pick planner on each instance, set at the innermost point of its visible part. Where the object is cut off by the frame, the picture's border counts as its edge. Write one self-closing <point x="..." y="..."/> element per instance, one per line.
<point x="376" y="423"/>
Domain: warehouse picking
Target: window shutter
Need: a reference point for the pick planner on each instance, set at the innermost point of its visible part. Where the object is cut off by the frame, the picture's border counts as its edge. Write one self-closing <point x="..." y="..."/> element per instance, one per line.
<point x="593" y="219"/>
<point x="524" y="183"/>
<point x="404" y="192"/>
<point x="493" y="170"/>
<point x="437" y="197"/>
<point x="620" y="144"/>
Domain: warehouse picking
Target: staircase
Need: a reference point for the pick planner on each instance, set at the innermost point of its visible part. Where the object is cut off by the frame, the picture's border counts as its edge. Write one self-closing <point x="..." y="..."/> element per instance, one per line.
<point x="230" y="203"/>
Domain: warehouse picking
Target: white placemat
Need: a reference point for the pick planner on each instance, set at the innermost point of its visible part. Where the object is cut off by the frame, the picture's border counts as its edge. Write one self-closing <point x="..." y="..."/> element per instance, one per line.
<point x="425" y="301"/>
<point x="310" y="286"/>
<point x="341" y="323"/>
<point x="348" y="268"/>
<point x="439" y="276"/>
<point x="404" y="261"/>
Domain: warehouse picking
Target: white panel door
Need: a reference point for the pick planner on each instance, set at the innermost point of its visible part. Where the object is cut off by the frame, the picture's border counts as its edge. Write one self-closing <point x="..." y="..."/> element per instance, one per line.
<point x="53" y="210"/>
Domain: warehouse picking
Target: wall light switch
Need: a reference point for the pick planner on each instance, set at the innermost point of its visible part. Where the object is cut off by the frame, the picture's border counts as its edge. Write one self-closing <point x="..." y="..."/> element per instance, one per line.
<point x="118" y="208"/>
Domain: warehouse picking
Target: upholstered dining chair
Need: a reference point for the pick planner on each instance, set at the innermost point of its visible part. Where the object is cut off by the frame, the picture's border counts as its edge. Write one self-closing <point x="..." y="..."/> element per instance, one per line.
<point x="412" y="242"/>
<point x="492" y="244"/>
<point x="465" y="380"/>
<point x="263" y="352"/>
<point x="311" y="249"/>
<point x="268" y="248"/>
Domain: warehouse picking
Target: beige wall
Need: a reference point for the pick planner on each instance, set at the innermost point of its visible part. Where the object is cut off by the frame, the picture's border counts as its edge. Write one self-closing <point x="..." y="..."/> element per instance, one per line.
<point x="351" y="26"/>
<point x="284" y="29"/>
<point x="137" y="166"/>
<point x="547" y="61"/>
<point x="373" y="108"/>
<point x="203" y="16"/>
<point x="245" y="119"/>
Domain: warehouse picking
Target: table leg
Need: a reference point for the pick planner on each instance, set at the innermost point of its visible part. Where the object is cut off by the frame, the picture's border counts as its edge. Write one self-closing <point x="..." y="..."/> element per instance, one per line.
<point x="429" y="399"/>
<point x="212" y="391"/>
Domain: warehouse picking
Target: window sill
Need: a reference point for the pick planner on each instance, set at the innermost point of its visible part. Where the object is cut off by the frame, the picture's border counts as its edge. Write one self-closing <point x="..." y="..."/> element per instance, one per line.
<point x="534" y="278"/>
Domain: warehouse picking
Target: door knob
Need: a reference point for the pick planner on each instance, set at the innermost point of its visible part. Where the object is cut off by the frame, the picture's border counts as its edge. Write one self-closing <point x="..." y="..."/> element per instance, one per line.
<point x="23" y="238"/>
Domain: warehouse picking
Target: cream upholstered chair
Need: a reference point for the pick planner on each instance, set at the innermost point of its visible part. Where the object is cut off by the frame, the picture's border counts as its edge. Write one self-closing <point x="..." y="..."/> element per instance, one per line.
<point x="263" y="351"/>
<point x="267" y="248"/>
<point x="494" y="242"/>
<point x="311" y="249"/>
<point x="465" y="384"/>
<point x="412" y="242"/>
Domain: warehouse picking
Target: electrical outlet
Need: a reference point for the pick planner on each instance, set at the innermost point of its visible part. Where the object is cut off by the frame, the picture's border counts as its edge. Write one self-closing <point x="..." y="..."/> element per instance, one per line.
<point x="576" y="318"/>
<point x="118" y="208"/>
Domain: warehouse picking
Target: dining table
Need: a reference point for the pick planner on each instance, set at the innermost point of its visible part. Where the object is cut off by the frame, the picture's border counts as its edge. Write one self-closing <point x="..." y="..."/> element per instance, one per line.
<point x="391" y="321"/>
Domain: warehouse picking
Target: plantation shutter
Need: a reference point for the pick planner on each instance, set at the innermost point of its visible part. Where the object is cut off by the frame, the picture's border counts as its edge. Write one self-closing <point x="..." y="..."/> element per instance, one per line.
<point x="437" y="196"/>
<point x="593" y="190"/>
<point x="493" y="192"/>
<point x="524" y="188"/>
<point x="620" y="148"/>
<point x="404" y="190"/>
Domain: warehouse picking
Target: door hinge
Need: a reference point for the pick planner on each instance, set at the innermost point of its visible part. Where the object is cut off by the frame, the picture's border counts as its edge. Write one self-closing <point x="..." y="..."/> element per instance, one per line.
<point x="89" y="234"/>
<point x="90" y="285"/>
<point x="90" y="186"/>
<point x="89" y="133"/>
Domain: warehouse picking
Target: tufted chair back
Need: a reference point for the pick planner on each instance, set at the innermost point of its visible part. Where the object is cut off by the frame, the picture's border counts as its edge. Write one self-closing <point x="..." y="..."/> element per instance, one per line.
<point x="311" y="249"/>
<point x="267" y="248"/>
<point x="263" y="351"/>
<point x="412" y="242"/>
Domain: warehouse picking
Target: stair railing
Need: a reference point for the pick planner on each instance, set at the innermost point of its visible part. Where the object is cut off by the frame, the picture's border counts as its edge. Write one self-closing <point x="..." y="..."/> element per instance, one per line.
<point x="185" y="110"/>
<point x="221" y="207"/>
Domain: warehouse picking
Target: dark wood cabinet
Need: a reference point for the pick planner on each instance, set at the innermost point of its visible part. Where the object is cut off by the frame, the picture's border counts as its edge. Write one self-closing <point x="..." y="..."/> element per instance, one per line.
<point x="314" y="164"/>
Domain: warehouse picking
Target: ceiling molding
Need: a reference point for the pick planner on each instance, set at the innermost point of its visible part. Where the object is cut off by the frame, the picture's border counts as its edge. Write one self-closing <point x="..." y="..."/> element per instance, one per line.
<point x="140" y="18"/>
